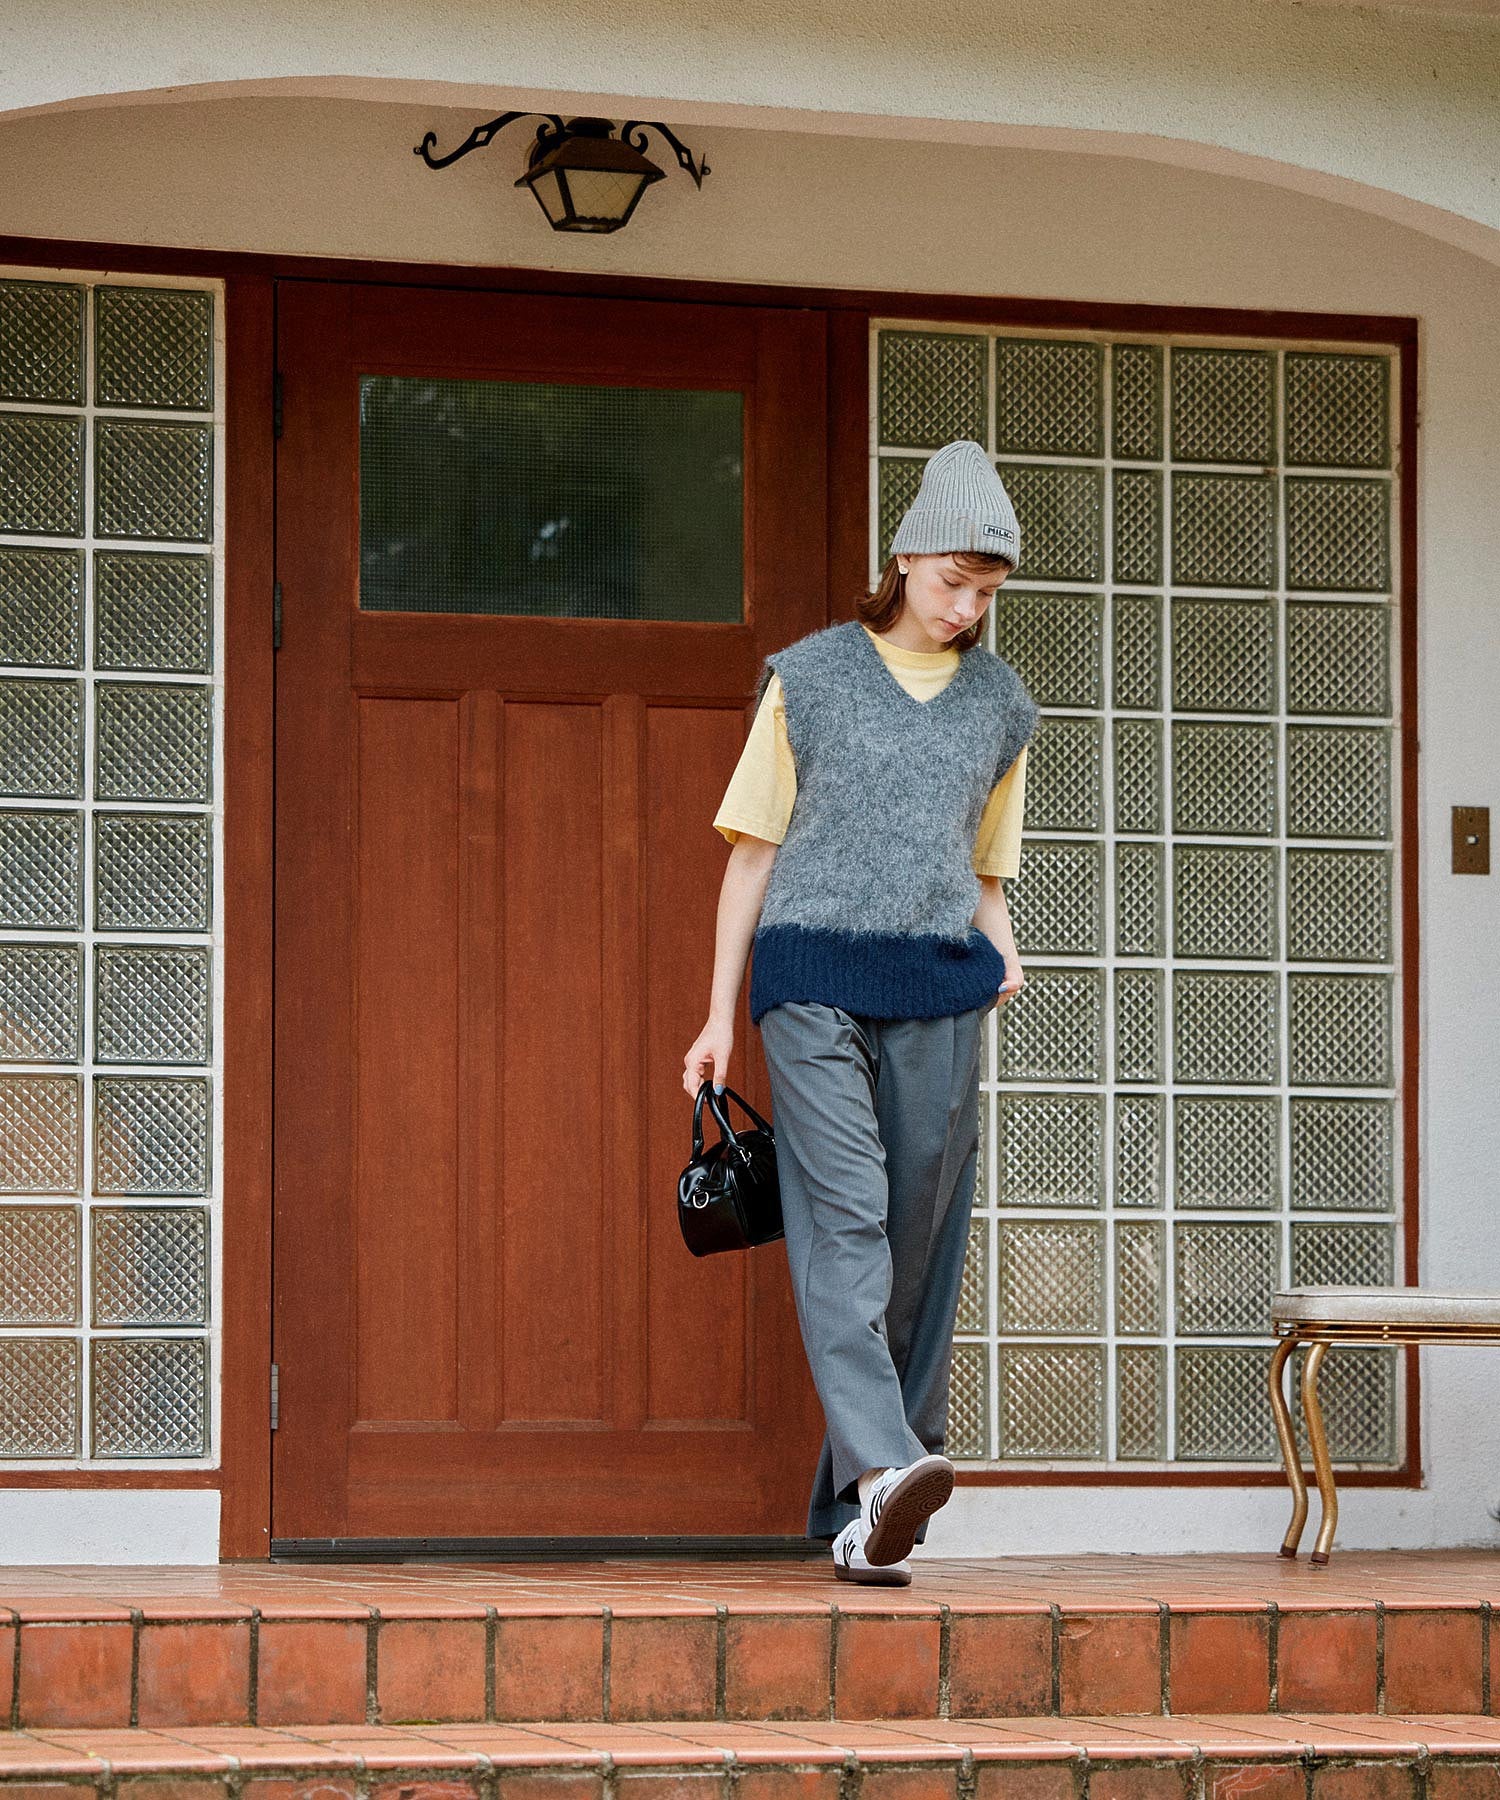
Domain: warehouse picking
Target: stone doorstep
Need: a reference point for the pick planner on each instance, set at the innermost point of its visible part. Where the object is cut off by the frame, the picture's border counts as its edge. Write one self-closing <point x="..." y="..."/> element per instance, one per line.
<point x="1343" y="1757"/>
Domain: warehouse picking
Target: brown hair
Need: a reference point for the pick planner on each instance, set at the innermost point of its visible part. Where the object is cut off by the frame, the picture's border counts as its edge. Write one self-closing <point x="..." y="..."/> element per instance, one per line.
<point x="881" y="609"/>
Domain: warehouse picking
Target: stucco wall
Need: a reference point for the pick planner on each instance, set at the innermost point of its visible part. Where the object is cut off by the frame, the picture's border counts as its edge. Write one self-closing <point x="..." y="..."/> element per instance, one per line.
<point x="1402" y="101"/>
<point x="340" y="178"/>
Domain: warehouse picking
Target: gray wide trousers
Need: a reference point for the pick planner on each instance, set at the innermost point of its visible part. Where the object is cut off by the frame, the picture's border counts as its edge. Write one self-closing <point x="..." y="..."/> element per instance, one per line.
<point x="877" y="1145"/>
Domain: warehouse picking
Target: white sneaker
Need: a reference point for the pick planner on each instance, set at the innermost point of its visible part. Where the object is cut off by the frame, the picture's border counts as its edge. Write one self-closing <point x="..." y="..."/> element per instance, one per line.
<point x="897" y="1503"/>
<point x="851" y="1564"/>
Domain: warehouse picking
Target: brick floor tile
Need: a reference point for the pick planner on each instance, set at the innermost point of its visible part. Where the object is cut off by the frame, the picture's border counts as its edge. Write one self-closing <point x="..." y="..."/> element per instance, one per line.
<point x="1394" y="1780"/>
<point x="1220" y="1661"/>
<point x="569" y="1786"/>
<point x="430" y="1669"/>
<point x="75" y="1674"/>
<point x="937" y="1781"/>
<point x="194" y="1674"/>
<point x="549" y="1668"/>
<point x="1020" y="1780"/>
<point x="42" y="1790"/>
<point x="1325" y="1661"/>
<point x="300" y="1787"/>
<point x="170" y="1787"/>
<point x="1000" y="1664"/>
<point x="1108" y="1737"/>
<point x="760" y="1781"/>
<point x="266" y="1747"/>
<point x="1110" y="1662"/>
<point x="662" y="1668"/>
<point x="1495" y="1661"/>
<point x="679" y="1784"/>
<point x="886" y="1666"/>
<point x="7" y="1669"/>
<point x="424" y="1790"/>
<point x="1455" y="1780"/>
<point x="1255" y="1781"/>
<point x="1141" y="1781"/>
<point x="776" y="1665"/>
<point x="396" y="1749"/>
<point x="147" y="1752"/>
<point x="1433" y="1661"/>
<point x="311" y="1671"/>
<point x="1473" y="1733"/>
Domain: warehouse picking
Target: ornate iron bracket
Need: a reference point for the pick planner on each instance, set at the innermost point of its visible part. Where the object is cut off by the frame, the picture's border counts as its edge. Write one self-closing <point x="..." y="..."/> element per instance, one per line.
<point x="552" y="131"/>
<point x="684" y="156"/>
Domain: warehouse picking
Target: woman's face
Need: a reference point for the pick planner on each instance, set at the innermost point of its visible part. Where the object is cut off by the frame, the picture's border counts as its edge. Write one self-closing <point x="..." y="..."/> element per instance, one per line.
<point x="944" y="598"/>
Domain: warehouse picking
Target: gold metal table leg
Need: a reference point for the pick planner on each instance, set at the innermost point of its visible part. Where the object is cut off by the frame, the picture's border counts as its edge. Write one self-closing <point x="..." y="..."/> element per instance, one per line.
<point x="1290" y="1458"/>
<point x="1322" y="1463"/>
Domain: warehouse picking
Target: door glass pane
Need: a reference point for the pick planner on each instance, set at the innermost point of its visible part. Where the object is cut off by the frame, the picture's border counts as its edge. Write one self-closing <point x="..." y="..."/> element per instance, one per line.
<point x="540" y="498"/>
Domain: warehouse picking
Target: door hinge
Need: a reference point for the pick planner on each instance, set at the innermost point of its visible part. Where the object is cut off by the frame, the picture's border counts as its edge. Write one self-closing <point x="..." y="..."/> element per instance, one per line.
<point x="276" y="419"/>
<point x="275" y="615"/>
<point x="275" y="1397"/>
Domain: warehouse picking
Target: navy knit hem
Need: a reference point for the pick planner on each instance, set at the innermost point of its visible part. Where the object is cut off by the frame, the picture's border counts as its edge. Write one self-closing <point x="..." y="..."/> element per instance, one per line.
<point x="877" y="974"/>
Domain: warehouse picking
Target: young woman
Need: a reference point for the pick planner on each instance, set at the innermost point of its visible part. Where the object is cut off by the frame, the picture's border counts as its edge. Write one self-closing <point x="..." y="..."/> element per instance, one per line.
<point x="875" y="805"/>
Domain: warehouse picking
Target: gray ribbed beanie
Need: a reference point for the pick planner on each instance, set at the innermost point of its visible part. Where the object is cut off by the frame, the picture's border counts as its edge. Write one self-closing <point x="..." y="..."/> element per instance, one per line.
<point x="961" y="504"/>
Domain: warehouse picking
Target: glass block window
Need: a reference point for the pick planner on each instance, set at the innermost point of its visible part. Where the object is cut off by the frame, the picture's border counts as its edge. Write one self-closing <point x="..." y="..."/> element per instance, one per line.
<point x="111" y="726"/>
<point x="1195" y="1098"/>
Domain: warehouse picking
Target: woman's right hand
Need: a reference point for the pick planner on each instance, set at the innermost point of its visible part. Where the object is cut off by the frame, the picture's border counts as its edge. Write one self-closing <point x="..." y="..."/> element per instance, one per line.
<point x="708" y="1057"/>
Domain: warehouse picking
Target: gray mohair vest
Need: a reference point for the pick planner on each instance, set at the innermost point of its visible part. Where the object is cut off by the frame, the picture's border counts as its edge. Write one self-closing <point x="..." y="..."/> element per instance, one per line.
<point x="872" y="892"/>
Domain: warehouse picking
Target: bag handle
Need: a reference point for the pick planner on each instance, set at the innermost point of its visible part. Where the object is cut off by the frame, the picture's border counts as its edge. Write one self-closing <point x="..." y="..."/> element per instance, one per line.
<point x="720" y="1113"/>
<point x="704" y="1088"/>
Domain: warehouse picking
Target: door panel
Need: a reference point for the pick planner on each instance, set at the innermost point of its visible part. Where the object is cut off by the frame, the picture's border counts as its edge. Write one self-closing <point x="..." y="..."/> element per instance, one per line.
<point x="406" y="984"/>
<point x="702" y="1378"/>
<point x="496" y="892"/>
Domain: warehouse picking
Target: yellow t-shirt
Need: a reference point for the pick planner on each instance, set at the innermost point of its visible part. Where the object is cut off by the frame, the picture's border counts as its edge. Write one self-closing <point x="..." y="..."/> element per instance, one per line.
<point x="759" y="797"/>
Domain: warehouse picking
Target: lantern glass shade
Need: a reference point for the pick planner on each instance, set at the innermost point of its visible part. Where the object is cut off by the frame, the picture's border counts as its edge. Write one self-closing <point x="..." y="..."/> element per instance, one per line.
<point x="552" y="197"/>
<point x="607" y="196"/>
<point x="589" y="183"/>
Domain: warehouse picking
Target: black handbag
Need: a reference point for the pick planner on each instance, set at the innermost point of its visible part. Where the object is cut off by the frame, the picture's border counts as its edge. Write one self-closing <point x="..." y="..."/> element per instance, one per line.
<point x="728" y="1197"/>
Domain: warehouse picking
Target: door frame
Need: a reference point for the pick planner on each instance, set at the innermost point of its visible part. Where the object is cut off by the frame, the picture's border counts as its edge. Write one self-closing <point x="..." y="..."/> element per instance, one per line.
<point x="242" y="1475"/>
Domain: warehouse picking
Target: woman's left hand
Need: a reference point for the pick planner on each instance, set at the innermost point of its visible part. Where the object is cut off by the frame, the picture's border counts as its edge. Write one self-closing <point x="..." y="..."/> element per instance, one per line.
<point x="992" y="917"/>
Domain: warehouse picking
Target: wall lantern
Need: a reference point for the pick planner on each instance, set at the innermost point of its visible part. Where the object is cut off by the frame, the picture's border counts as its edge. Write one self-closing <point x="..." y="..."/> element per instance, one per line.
<point x="583" y="176"/>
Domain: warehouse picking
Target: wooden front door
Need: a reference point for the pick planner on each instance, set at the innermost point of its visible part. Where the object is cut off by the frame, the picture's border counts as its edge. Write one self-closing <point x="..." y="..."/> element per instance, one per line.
<point x="495" y="908"/>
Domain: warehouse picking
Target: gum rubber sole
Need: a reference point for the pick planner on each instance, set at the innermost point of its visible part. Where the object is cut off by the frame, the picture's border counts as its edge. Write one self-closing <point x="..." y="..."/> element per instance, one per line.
<point x="881" y="1576"/>
<point x="897" y="1574"/>
<point x="920" y="1492"/>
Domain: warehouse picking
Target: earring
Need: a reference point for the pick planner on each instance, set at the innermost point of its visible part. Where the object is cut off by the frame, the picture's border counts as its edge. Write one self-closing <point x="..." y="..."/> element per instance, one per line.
<point x="903" y="568"/>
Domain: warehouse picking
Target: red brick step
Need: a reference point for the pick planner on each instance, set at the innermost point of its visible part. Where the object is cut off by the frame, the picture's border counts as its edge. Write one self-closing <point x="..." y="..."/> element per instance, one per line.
<point x="616" y="1642"/>
<point x="1259" y="1757"/>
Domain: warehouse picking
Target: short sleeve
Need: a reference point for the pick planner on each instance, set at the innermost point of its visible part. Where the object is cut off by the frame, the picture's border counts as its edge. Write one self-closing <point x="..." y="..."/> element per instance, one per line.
<point x="764" y="784"/>
<point x="997" y="844"/>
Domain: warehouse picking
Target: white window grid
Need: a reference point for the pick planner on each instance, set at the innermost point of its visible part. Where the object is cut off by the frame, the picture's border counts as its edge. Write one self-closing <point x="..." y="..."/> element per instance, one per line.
<point x="90" y="938"/>
<point x="1110" y="1215"/>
